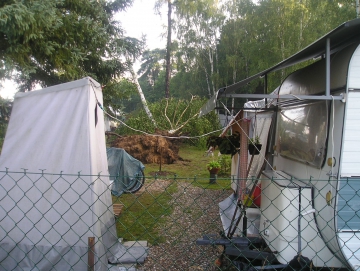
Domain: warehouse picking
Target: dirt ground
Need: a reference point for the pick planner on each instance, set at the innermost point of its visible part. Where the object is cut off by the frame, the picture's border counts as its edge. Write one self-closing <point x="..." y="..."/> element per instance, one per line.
<point x="149" y="149"/>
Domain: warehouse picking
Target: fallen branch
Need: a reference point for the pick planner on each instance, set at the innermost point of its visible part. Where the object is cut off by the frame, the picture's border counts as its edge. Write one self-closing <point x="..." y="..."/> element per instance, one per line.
<point x="114" y="134"/>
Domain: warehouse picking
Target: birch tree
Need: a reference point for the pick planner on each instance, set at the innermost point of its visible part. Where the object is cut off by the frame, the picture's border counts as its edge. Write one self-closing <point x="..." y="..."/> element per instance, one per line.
<point x="170" y="7"/>
<point x="141" y="94"/>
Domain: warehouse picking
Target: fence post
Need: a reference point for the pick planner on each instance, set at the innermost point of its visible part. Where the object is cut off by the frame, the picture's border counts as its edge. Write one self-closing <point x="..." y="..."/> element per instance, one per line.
<point x="91" y="253"/>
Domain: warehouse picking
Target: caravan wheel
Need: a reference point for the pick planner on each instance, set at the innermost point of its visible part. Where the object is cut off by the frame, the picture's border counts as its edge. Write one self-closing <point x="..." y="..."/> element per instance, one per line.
<point x="137" y="182"/>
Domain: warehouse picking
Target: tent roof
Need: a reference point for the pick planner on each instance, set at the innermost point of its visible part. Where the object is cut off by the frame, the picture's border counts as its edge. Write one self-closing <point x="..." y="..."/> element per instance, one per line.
<point x="340" y="37"/>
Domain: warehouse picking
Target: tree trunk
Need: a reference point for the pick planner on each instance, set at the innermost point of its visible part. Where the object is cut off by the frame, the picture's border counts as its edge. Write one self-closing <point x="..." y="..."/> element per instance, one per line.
<point x="168" y="53"/>
<point x="211" y="60"/>
<point x="142" y="97"/>
<point x="207" y="82"/>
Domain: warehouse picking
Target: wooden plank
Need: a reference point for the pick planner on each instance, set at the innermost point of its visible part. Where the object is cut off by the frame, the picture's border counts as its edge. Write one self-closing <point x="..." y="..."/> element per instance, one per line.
<point x="91" y="253"/>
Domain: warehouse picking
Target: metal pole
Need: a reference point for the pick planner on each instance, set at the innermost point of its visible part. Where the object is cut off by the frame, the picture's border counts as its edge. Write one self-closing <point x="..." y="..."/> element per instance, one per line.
<point x="265" y="88"/>
<point x="327" y="86"/>
<point x="299" y="224"/>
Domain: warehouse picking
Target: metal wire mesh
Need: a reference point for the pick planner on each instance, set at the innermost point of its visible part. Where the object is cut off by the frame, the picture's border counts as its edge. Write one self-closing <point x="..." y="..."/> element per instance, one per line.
<point x="62" y="222"/>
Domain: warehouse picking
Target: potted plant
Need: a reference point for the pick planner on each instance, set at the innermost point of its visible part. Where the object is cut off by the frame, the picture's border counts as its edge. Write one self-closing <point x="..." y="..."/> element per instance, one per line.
<point x="229" y="144"/>
<point x="254" y="145"/>
<point x="213" y="167"/>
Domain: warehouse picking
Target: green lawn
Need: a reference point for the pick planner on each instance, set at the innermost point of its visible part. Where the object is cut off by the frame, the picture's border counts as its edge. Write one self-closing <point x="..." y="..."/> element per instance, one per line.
<point x="193" y="164"/>
<point x="142" y="213"/>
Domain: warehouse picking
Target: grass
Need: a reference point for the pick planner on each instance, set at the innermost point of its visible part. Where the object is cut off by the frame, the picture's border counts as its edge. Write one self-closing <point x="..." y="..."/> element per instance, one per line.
<point x="193" y="164"/>
<point x="193" y="168"/>
<point x="144" y="212"/>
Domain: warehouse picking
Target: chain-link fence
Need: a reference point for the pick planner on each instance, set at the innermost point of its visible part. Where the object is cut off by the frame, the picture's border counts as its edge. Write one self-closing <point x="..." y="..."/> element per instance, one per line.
<point x="72" y="222"/>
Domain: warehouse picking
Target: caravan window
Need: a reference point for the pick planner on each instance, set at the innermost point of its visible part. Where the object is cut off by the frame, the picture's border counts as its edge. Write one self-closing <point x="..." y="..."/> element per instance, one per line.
<point x="302" y="132"/>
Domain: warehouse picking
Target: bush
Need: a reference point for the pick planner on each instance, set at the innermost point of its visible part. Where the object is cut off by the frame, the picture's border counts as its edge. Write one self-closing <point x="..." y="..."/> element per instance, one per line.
<point x="225" y="162"/>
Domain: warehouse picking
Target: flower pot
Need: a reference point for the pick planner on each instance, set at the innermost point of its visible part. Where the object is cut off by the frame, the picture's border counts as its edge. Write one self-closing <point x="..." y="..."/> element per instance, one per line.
<point x="254" y="149"/>
<point x="214" y="170"/>
<point x="213" y="175"/>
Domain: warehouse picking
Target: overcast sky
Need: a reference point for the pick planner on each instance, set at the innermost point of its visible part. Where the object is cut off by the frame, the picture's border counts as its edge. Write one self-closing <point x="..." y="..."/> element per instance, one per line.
<point x="138" y="20"/>
<point x="141" y="19"/>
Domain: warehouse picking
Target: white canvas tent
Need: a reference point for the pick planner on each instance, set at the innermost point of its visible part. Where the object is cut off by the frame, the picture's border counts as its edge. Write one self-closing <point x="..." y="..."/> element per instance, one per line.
<point x="46" y="218"/>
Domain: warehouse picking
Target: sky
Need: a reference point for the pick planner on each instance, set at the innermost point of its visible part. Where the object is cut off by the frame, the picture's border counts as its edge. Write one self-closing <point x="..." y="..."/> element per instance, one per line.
<point x="137" y="20"/>
<point x="140" y="19"/>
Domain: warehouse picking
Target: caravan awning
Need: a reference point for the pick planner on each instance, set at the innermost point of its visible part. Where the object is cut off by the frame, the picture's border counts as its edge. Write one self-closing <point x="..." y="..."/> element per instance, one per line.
<point x="340" y="37"/>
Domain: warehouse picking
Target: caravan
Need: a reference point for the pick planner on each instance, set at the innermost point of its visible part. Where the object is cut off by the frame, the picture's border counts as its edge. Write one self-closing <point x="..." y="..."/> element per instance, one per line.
<point x="309" y="164"/>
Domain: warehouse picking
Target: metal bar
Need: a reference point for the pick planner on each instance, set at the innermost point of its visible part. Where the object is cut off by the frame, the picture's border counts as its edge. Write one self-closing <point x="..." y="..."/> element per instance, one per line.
<point x="238" y="241"/>
<point x="327" y="58"/>
<point x="299" y="224"/>
<point x="285" y="96"/>
<point x="271" y="266"/>
<point x="265" y="87"/>
<point x="244" y="231"/>
<point x="233" y="219"/>
<point x="249" y="254"/>
<point x="248" y="109"/>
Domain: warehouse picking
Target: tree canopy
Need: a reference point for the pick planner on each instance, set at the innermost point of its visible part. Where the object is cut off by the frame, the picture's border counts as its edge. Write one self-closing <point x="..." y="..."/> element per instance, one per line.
<point x="48" y="42"/>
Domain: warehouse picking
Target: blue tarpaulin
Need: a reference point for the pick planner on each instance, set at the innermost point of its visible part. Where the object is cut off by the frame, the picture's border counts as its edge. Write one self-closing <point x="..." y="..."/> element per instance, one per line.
<point x="125" y="171"/>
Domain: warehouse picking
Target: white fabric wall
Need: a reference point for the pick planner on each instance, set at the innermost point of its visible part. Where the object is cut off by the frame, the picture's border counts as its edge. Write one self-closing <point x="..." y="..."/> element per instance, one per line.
<point x="53" y="130"/>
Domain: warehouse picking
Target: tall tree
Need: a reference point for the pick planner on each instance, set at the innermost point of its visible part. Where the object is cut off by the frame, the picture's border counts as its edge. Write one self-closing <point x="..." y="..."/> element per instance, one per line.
<point x="141" y="94"/>
<point x="170" y="5"/>
<point x="168" y="51"/>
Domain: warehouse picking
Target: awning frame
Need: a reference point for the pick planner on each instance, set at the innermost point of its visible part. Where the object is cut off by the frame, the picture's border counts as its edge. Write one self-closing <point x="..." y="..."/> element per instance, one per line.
<point x="334" y="41"/>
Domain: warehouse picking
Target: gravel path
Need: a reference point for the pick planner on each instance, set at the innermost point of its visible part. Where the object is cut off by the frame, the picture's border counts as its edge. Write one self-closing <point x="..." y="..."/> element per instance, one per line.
<point x="195" y="213"/>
